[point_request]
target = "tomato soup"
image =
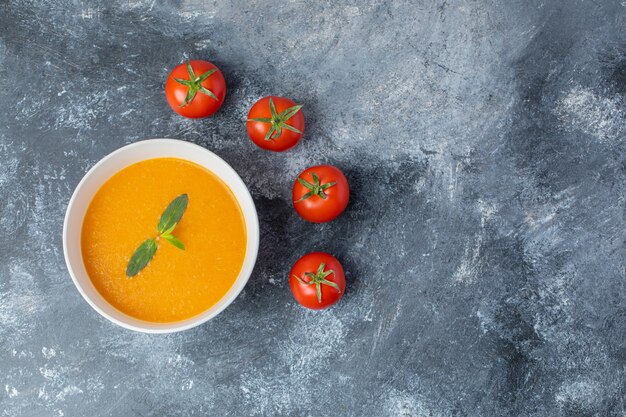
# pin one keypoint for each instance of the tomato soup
(176, 284)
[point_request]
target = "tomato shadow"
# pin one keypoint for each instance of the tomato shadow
(382, 200)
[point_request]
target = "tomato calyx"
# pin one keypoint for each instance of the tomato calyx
(278, 120)
(194, 84)
(315, 189)
(318, 279)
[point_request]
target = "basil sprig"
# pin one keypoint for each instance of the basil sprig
(142, 256)
(167, 223)
(172, 214)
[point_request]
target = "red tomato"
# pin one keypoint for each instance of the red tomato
(320, 193)
(275, 123)
(195, 89)
(317, 280)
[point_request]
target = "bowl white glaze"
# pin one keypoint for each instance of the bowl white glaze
(120, 159)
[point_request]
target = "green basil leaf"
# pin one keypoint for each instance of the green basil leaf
(169, 230)
(173, 241)
(142, 256)
(172, 214)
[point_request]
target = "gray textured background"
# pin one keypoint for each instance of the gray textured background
(485, 143)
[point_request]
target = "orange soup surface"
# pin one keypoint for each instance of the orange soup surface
(176, 284)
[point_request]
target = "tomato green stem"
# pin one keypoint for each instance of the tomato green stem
(194, 84)
(278, 120)
(318, 279)
(315, 189)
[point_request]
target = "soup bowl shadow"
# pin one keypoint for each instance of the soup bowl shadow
(105, 169)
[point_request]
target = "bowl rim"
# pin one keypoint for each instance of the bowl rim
(238, 285)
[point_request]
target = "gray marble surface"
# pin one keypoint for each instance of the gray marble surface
(485, 143)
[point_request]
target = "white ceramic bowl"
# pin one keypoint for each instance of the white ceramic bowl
(114, 162)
